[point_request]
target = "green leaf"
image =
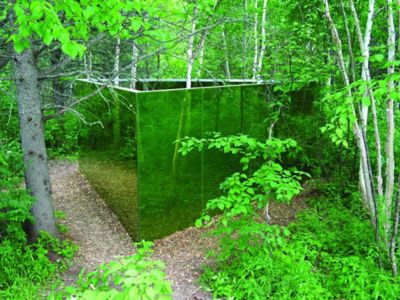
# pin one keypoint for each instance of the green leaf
(378, 57)
(70, 49)
(136, 24)
(47, 38)
(339, 133)
(134, 293)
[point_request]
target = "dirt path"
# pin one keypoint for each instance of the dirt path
(101, 237)
(92, 225)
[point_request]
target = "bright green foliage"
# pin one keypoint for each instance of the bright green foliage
(133, 277)
(62, 136)
(15, 203)
(261, 264)
(247, 147)
(245, 193)
(25, 269)
(42, 18)
(327, 254)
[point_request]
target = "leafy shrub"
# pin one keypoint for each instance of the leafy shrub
(259, 262)
(62, 136)
(15, 203)
(25, 268)
(262, 179)
(328, 253)
(133, 277)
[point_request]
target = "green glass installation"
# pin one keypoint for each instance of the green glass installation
(130, 156)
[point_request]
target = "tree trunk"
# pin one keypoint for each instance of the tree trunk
(116, 107)
(201, 60)
(398, 25)
(365, 174)
(394, 236)
(190, 54)
(349, 42)
(390, 162)
(255, 39)
(87, 64)
(116, 62)
(244, 40)
(135, 56)
(37, 178)
(263, 38)
(226, 56)
(365, 74)
(185, 119)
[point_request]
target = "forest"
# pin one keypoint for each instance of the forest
(199, 149)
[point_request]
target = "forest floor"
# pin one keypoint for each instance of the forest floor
(101, 237)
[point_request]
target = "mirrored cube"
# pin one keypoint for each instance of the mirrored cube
(130, 155)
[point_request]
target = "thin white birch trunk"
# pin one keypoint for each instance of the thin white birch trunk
(255, 39)
(135, 56)
(349, 44)
(226, 56)
(367, 180)
(201, 57)
(193, 51)
(85, 66)
(244, 40)
(90, 64)
(394, 236)
(87, 63)
(364, 46)
(116, 62)
(390, 163)
(190, 54)
(263, 38)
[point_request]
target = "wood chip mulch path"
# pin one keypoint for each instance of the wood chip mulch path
(101, 237)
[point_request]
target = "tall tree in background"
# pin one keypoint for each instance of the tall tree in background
(377, 188)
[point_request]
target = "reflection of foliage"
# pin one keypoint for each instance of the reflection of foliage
(127, 148)
(184, 125)
(62, 136)
(246, 192)
(170, 203)
(115, 180)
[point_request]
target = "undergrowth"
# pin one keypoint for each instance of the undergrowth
(32, 270)
(328, 253)
(136, 277)
(26, 269)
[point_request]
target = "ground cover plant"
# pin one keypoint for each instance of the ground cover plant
(25, 268)
(133, 277)
(328, 253)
